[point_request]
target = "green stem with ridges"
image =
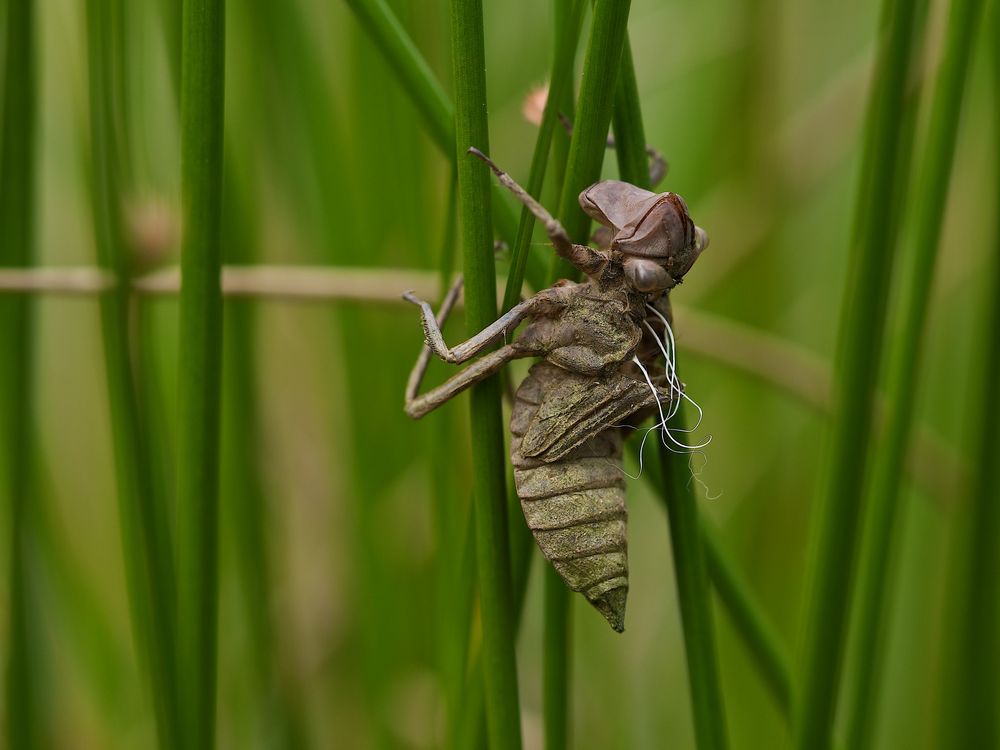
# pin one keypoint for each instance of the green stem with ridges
(568, 19)
(904, 369)
(759, 634)
(586, 154)
(977, 721)
(593, 119)
(17, 202)
(767, 651)
(831, 559)
(202, 98)
(690, 568)
(489, 481)
(144, 527)
(418, 80)
(409, 65)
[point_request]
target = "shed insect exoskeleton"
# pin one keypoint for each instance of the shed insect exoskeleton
(598, 341)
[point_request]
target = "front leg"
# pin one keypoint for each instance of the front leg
(587, 259)
(469, 349)
(418, 406)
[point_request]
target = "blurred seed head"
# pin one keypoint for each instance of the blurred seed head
(534, 104)
(152, 230)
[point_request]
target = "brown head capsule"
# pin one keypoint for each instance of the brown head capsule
(654, 232)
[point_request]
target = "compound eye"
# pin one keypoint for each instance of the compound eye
(646, 276)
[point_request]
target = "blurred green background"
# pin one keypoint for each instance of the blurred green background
(331, 622)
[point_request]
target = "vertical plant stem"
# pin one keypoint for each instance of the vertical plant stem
(470, 733)
(690, 568)
(202, 91)
(418, 81)
(762, 641)
(831, 557)
(746, 614)
(693, 601)
(587, 147)
(977, 721)
(409, 65)
(144, 529)
(489, 485)
(930, 199)
(557, 651)
(593, 118)
(17, 203)
(568, 15)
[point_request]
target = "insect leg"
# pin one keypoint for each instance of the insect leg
(418, 406)
(585, 258)
(469, 349)
(417, 374)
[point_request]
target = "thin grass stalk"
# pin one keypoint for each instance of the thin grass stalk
(557, 640)
(77, 609)
(691, 574)
(592, 120)
(690, 568)
(489, 481)
(424, 90)
(882, 515)
(833, 542)
(759, 634)
(568, 17)
(977, 721)
(586, 154)
(409, 65)
(767, 652)
(470, 733)
(144, 529)
(202, 95)
(17, 239)
(242, 489)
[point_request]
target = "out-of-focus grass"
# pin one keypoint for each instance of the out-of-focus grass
(756, 108)
(22, 690)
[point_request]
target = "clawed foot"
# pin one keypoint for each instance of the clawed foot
(432, 333)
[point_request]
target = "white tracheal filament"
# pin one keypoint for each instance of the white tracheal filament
(669, 435)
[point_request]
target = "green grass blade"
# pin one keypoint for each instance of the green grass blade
(569, 17)
(418, 81)
(904, 369)
(836, 517)
(83, 618)
(145, 535)
(489, 481)
(583, 167)
(17, 236)
(690, 568)
(754, 627)
(977, 723)
(757, 631)
(470, 733)
(767, 651)
(557, 640)
(691, 574)
(202, 94)
(409, 65)
(592, 120)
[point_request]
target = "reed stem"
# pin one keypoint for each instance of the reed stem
(202, 97)
(690, 569)
(17, 237)
(836, 518)
(144, 525)
(903, 364)
(488, 461)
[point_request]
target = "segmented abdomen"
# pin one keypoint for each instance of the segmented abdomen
(575, 505)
